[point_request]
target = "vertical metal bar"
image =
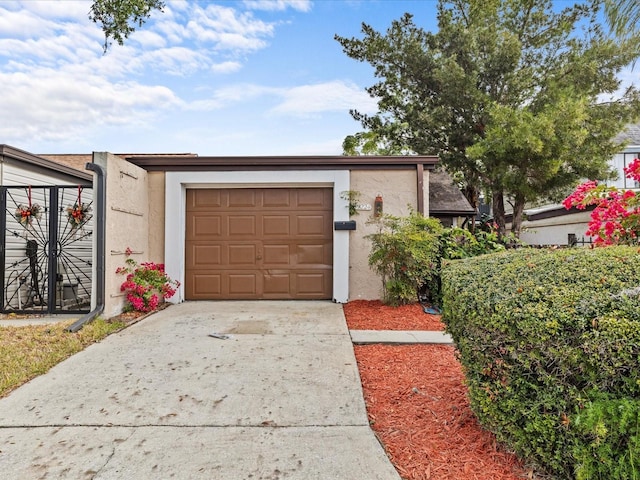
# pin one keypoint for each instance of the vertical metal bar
(52, 269)
(3, 240)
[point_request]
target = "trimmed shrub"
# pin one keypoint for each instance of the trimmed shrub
(547, 338)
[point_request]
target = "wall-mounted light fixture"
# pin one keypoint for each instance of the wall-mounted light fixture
(377, 205)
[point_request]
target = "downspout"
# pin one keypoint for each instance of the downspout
(420, 187)
(101, 213)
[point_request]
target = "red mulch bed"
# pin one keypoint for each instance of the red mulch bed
(373, 315)
(418, 407)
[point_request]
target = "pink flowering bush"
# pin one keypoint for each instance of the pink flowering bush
(146, 285)
(616, 216)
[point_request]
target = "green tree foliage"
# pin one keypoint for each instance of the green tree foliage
(120, 18)
(511, 94)
(370, 143)
(623, 16)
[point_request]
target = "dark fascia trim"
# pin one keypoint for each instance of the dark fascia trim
(16, 154)
(455, 213)
(173, 164)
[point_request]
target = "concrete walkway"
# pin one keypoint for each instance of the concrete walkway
(280, 398)
(399, 337)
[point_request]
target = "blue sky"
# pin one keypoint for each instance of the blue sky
(256, 77)
(252, 77)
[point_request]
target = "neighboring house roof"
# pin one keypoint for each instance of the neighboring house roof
(630, 135)
(79, 160)
(76, 161)
(553, 211)
(445, 198)
(9, 153)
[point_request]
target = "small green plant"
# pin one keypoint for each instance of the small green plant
(351, 196)
(461, 243)
(405, 253)
(146, 285)
(610, 429)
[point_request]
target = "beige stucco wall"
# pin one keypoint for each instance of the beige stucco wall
(399, 193)
(127, 223)
(156, 216)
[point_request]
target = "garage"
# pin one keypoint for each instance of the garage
(259, 243)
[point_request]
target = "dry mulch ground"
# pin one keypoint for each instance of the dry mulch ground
(373, 315)
(417, 403)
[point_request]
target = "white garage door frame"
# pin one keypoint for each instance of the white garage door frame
(177, 183)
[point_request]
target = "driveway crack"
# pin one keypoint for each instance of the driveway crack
(113, 453)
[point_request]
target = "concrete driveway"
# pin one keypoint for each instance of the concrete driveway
(279, 399)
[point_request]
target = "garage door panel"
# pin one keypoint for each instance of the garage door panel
(312, 197)
(242, 198)
(311, 283)
(204, 199)
(241, 225)
(203, 225)
(276, 225)
(276, 197)
(311, 225)
(204, 255)
(205, 285)
(318, 254)
(243, 284)
(277, 284)
(259, 243)
(242, 255)
(276, 255)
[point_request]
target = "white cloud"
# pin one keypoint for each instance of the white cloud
(298, 101)
(148, 39)
(179, 61)
(58, 10)
(52, 105)
(226, 67)
(279, 5)
(20, 25)
(228, 29)
(324, 97)
(233, 94)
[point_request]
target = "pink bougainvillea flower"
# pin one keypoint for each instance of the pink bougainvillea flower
(579, 197)
(633, 169)
(146, 284)
(616, 216)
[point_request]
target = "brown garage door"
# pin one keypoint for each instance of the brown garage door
(267, 243)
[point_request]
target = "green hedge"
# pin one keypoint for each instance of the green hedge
(550, 343)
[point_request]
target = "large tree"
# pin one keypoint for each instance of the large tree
(508, 93)
(119, 18)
